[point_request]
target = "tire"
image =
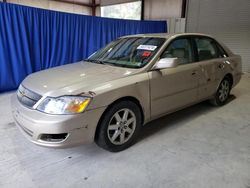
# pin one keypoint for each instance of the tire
(119, 126)
(222, 93)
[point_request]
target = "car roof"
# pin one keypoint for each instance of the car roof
(167, 35)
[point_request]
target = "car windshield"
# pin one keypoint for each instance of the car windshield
(131, 52)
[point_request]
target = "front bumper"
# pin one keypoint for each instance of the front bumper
(79, 128)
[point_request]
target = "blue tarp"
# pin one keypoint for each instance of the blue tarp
(33, 39)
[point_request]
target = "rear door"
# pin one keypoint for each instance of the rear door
(211, 60)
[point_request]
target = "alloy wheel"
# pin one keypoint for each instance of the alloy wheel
(224, 90)
(121, 126)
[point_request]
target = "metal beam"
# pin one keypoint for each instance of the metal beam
(93, 8)
(91, 5)
(183, 9)
(142, 9)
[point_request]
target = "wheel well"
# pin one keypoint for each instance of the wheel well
(128, 98)
(230, 77)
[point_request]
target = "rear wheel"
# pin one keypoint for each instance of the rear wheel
(222, 93)
(119, 126)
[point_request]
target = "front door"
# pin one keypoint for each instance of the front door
(174, 88)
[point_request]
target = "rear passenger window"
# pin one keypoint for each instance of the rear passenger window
(222, 52)
(181, 49)
(206, 48)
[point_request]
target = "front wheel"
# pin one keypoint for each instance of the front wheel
(222, 92)
(119, 126)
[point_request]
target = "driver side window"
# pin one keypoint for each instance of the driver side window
(181, 49)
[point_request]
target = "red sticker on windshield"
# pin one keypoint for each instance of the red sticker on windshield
(146, 54)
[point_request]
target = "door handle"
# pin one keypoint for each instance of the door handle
(193, 73)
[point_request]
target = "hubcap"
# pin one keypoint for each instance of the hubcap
(121, 126)
(224, 90)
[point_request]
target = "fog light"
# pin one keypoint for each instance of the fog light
(53, 137)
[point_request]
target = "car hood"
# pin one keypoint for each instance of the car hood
(83, 74)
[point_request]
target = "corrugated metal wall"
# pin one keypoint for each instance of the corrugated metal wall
(227, 20)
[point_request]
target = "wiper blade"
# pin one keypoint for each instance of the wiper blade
(100, 62)
(109, 63)
(125, 65)
(94, 61)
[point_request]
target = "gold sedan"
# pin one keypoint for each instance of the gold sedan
(108, 97)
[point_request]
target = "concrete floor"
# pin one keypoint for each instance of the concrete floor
(201, 146)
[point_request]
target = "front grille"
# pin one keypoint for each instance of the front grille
(26, 97)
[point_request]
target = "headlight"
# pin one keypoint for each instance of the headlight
(64, 105)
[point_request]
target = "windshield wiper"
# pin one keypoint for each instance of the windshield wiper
(99, 62)
(124, 65)
(109, 63)
(95, 61)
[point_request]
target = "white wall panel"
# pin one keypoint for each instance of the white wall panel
(59, 6)
(32, 3)
(14, 1)
(55, 5)
(78, 9)
(227, 20)
(162, 9)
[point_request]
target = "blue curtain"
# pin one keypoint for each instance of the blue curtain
(33, 39)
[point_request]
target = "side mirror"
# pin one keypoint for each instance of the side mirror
(166, 63)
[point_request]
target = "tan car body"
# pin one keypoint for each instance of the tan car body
(158, 92)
